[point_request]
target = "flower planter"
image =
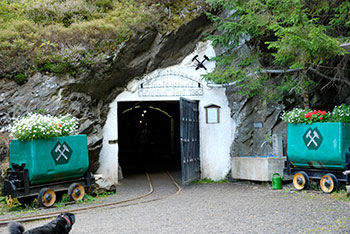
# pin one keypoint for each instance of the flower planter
(52, 159)
(319, 145)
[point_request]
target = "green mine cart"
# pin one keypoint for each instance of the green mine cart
(42, 167)
(319, 151)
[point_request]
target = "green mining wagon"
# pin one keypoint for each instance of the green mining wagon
(41, 167)
(319, 151)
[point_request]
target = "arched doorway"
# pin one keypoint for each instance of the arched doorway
(149, 136)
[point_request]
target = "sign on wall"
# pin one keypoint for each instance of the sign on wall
(170, 84)
(212, 113)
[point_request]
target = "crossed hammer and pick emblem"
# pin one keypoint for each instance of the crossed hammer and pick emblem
(313, 138)
(61, 153)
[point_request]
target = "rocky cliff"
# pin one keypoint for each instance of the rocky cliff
(88, 95)
(257, 121)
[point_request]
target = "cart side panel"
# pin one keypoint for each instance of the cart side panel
(318, 145)
(53, 159)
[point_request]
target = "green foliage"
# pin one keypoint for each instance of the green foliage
(87, 199)
(62, 202)
(62, 36)
(64, 12)
(20, 79)
(341, 195)
(279, 35)
(341, 114)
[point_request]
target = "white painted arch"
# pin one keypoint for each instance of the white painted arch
(182, 80)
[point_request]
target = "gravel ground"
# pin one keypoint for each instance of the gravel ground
(213, 208)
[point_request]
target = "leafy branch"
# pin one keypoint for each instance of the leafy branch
(270, 45)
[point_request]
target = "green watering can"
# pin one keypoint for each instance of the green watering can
(277, 181)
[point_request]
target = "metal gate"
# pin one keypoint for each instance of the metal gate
(189, 138)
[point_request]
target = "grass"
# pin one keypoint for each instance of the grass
(34, 205)
(340, 195)
(62, 202)
(210, 181)
(287, 190)
(314, 186)
(61, 36)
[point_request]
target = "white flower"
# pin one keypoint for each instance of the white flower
(33, 126)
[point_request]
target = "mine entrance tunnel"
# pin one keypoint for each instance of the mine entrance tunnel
(149, 136)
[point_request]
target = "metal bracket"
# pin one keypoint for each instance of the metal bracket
(111, 142)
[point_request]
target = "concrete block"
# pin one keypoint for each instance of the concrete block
(256, 168)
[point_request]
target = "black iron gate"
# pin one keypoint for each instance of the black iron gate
(189, 138)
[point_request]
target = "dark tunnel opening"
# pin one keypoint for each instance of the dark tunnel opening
(149, 136)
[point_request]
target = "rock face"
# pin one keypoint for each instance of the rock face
(88, 96)
(4, 141)
(257, 122)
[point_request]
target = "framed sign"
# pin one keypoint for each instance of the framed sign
(212, 114)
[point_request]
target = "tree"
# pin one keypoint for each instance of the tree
(281, 47)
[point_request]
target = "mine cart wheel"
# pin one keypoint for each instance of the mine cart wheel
(46, 197)
(9, 200)
(301, 180)
(76, 192)
(329, 183)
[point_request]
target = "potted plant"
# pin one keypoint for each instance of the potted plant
(318, 146)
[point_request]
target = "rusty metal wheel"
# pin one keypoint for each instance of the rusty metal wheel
(46, 197)
(76, 192)
(329, 183)
(301, 180)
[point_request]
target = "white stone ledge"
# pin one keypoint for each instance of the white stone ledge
(256, 168)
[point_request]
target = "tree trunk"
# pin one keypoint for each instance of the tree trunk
(306, 97)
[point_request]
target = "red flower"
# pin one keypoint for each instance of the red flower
(59, 125)
(308, 115)
(314, 112)
(320, 118)
(323, 112)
